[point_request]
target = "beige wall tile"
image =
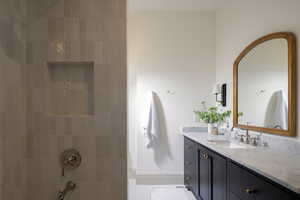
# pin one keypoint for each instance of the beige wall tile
(56, 29)
(72, 29)
(72, 8)
(57, 10)
(12, 104)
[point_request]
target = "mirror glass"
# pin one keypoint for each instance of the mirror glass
(263, 86)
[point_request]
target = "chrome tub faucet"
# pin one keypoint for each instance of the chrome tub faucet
(70, 186)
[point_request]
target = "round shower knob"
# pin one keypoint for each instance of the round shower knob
(70, 159)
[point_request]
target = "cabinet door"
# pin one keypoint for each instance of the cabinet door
(191, 165)
(218, 177)
(204, 174)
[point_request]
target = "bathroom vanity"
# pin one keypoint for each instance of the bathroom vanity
(228, 171)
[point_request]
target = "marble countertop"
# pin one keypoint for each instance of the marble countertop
(280, 167)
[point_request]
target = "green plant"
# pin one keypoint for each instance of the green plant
(213, 116)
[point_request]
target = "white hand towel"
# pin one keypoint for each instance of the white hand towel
(277, 111)
(152, 128)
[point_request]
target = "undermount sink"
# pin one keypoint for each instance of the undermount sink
(230, 144)
(240, 146)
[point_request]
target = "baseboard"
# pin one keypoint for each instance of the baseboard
(146, 177)
(141, 172)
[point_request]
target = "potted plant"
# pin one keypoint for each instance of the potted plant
(213, 117)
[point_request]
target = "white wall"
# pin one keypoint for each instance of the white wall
(239, 22)
(172, 51)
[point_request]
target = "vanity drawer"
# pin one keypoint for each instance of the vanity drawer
(190, 148)
(247, 186)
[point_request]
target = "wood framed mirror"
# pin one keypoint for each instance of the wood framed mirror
(264, 85)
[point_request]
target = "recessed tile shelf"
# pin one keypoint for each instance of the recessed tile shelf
(71, 88)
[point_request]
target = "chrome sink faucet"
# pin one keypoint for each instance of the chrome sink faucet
(247, 141)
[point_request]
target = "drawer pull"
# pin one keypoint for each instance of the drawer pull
(204, 156)
(250, 191)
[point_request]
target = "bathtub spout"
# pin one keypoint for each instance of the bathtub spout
(70, 186)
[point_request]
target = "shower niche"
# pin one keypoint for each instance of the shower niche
(71, 88)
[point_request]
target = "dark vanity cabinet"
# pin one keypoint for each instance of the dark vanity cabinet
(204, 171)
(211, 176)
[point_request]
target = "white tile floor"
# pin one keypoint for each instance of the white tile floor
(158, 192)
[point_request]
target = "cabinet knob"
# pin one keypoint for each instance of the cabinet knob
(250, 191)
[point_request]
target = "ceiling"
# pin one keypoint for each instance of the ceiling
(171, 5)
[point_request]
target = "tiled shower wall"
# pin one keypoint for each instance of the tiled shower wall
(31, 137)
(77, 31)
(12, 100)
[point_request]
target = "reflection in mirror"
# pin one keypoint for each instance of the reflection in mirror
(263, 85)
